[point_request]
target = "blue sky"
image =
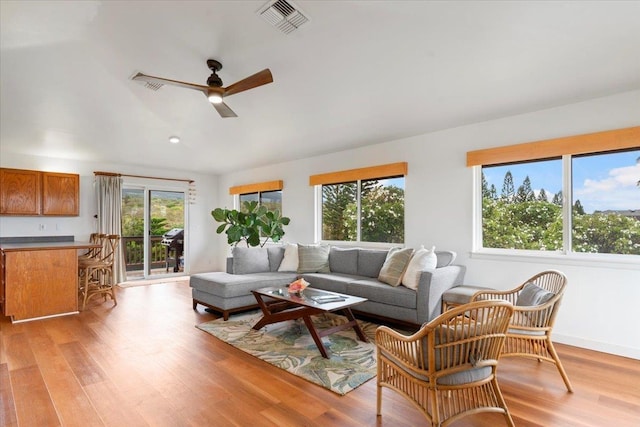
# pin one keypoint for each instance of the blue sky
(600, 182)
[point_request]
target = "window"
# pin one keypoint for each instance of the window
(575, 202)
(267, 194)
(606, 203)
(522, 206)
(271, 199)
(369, 208)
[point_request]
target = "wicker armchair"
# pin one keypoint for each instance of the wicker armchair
(448, 368)
(536, 304)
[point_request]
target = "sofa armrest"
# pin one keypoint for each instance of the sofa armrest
(433, 283)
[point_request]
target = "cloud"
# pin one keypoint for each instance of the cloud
(619, 178)
(618, 191)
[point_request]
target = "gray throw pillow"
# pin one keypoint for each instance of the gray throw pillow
(395, 265)
(532, 295)
(313, 259)
(276, 253)
(250, 260)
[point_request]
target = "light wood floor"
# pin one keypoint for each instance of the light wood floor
(143, 363)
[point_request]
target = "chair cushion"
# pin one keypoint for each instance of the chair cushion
(395, 265)
(250, 260)
(313, 259)
(463, 377)
(532, 295)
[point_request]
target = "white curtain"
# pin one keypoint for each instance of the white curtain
(109, 197)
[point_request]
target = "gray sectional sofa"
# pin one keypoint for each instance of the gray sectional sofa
(352, 271)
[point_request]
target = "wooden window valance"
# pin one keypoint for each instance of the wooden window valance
(579, 144)
(100, 173)
(255, 188)
(381, 171)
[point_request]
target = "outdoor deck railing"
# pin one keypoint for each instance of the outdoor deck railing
(134, 256)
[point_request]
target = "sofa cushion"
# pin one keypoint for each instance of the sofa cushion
(445, 258)
(532, 295)
(343, 260)
(232, 285)
(422, 259)
(250, 260)
(276, 254)
(370, 262)
(313, 259)
(290, 259)
(334, 282)
(374, 290)
(394, 265)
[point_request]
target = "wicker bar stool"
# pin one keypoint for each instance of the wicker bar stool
(95, 275)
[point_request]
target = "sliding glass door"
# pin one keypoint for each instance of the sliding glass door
(153, 224)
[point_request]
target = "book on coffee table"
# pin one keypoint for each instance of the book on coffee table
(328, 298)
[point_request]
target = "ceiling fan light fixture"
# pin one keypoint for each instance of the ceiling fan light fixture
(215, 98)
(174, 139)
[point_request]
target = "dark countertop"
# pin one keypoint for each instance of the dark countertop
(39, 246)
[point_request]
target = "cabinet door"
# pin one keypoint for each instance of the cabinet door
(19, 192)
(2, 281)
(41, 283)
(60, 194)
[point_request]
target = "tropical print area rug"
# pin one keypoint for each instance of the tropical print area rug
(289, 346)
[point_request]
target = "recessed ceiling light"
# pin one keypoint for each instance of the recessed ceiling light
(174, 139)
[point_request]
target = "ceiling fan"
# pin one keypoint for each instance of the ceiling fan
(214, 90)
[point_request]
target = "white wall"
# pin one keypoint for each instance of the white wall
(600, 306)
(201, 243)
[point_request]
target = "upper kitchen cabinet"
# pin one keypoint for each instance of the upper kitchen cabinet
(20, 192)
(60, 194)
(27, 192)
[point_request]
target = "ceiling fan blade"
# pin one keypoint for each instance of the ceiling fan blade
(161, 81)
(224, 110)
(258, 79)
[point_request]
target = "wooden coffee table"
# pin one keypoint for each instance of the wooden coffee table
(278, 306)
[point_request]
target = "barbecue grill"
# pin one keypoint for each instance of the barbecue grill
(173, 241)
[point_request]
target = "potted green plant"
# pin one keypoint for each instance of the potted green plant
(255, 225)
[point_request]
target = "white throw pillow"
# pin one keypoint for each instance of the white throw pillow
(290, 259)
(422, 259)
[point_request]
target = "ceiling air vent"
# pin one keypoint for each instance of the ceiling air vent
(283, 15)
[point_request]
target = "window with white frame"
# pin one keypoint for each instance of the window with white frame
(586, 202)
(268, 194)
(272, 200)
(368, 208)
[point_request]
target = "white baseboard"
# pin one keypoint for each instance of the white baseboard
(619, 350)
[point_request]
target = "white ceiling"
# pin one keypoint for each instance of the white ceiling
(358, 73)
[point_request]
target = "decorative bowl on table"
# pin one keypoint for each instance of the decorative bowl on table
(298, 286)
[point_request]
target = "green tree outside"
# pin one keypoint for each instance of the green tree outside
(527, 222)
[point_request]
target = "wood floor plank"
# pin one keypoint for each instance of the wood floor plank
(33, 403)
(83, 365)
(65, 390)
(8, 415)
(18, 352)
(143, 363)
